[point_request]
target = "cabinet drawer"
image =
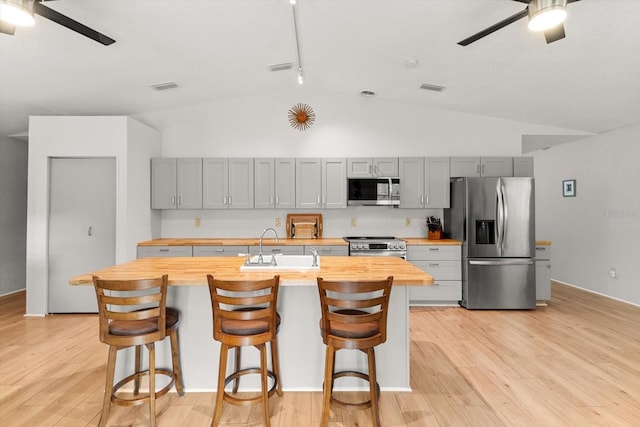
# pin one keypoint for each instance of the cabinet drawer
(332, 250)
(164, 251)
(543, 252)
(428, 253)
(441, 270)
(227, 251)
(283, 249)
(440, 291)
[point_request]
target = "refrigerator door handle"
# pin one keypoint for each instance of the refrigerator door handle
(500, 216)
(527, 261)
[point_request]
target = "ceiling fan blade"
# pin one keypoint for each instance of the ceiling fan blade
(7, 28)
(554, 34)
(71, 24)
(494, 28)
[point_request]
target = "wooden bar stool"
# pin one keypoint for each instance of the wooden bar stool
(244, 314)
(134, 313)
(354, 316)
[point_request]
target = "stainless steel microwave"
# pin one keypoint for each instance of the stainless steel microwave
(373, 192)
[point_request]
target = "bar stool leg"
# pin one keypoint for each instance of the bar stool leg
(138, 369)
(222, 372)
(152, 384)
(238, 354)
(275, 365)
(175, 360)
(373, 387)
(329, 361)
(265, 385)
(108, 389)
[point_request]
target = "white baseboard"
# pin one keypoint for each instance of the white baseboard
(595, 292)
(13, 292)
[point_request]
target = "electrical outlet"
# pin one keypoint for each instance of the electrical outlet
(196, 222)
(278, 222)
(612, 273)
(353, 222)
(407, 222)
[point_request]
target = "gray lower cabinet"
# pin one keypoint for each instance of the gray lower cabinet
(543, 272)
(219, 250)
(328, 250)
(444, 264)
(164, 251)
(279, 249)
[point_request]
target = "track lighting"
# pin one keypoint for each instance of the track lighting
(17, 12)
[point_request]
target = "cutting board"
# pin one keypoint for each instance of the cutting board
(304, 226)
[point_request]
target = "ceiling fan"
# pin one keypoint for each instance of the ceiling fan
(544, 15)
(16, 13)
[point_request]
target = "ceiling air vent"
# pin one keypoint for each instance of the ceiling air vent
(429, 86)
(280, 67)
(164, 86)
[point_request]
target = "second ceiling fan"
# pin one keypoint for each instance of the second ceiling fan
(544, 15)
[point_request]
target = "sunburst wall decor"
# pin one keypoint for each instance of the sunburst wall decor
(301, 116)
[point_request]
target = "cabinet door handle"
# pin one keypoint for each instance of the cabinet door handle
(271, 200)
(173, 200)
(427, 199)
(179, 200)
(434, 249)
(90, 231)
(483, 169)
(224, 200)
(277, 200)
(219, 250)
(318, 200)
(163, 250)
(548, 265)
(434, 264)
(422, 199)
(230, 201)
(478, 169)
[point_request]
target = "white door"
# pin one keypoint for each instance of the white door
(82, 228)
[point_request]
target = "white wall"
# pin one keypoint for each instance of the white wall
(13, 222)
(86, 137)
(600, 227)
(346, 125)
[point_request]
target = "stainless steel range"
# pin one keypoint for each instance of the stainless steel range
(377, 246)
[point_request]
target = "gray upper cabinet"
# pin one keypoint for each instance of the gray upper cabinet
(321, 183)
(424, 182)
(334, 184)
(228, 183)
(481, 166)
(368, 167)
(275, 183)
(176, 183)
(523, 166)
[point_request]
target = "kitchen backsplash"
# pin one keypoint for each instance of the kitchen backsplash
(368, 220)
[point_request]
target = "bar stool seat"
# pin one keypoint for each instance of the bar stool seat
(354, 316)
(244, 314)
(124, 325)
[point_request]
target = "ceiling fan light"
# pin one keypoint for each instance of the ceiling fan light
(546, 14)
(17, 12)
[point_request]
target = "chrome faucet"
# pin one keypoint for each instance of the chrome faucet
(314, 252)
(260, 244)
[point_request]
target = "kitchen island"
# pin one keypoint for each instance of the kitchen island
(300, 344)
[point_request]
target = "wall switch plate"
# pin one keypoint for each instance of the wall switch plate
(612, 273)
(407, 222)
(353, 222)
(196, 222)
(278, 222)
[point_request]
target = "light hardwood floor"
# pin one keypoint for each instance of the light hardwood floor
(573, 363)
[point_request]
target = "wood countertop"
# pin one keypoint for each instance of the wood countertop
(229, 241)
(425, 241)
(193, 271)
(543, 243)
(270, 241)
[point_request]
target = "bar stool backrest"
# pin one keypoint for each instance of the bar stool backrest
(354, 313)
(244, 311)
(131, 312)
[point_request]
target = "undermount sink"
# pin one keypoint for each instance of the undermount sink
(284, 262)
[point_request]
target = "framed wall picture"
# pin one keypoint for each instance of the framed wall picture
(569, 188)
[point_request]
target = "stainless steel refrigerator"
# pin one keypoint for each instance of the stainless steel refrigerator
(494, 218)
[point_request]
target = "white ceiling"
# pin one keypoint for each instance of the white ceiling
(217, 49)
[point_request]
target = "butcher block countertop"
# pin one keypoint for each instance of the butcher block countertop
(269, 240)
(193, 271)
(229, 241)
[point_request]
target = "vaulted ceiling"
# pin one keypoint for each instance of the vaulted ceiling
(218, 49)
